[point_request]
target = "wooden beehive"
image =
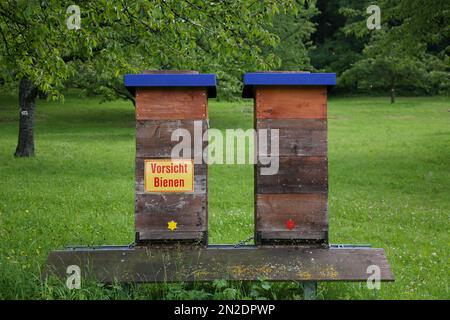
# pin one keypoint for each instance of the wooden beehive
(171, 205)
(291, 205)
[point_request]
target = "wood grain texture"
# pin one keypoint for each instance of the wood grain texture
(295, 175)
(308, 212)
(171, 103)
(289, 238)
(290, 102)
(154, 211)
(164, 237)
(157, 222)
(298, 137)
(149, 238)
(153, 137)
(193, 205)
(191, 263)
(200, 178)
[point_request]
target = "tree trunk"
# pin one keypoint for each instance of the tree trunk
(393, 95)
(27, 99)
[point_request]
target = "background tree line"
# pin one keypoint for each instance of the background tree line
(40, 55)
(409, 54)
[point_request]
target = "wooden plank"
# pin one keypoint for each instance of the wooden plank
(154, 211)
(153, 137)
(298, 137)
(295, 175)
(158, 222)
(193, 205)
(168, 238)
(290, 102)
(171, 103)
(289, 238)
(200, 177)
(292, 216)
(191, 263)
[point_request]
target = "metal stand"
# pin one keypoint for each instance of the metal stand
(310, 290)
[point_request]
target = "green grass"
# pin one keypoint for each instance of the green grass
(389, 175)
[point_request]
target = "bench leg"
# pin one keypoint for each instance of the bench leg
(309, 290)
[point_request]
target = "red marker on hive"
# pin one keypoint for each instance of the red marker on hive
(290, 224)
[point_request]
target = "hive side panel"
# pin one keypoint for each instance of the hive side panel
(291, 204)
(156, 138)
(292, 216)
(155, 211)
(171, 103)
(295, 175)
(298, 137)
(286, 102)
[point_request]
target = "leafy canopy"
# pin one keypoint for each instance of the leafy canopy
(410, 50)
(117, 37)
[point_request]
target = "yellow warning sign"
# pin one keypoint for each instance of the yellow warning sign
(167, 175)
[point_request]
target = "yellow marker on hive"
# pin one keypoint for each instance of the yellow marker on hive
(171, 225)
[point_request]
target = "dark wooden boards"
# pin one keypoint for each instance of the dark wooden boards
(154, 137)
(170, 204)
(291, 205)
(155, 211)
(298, 137)
(305, 214)
(191, 263)
(171, 103)
(295, 175)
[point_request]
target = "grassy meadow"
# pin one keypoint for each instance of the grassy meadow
(389, 176)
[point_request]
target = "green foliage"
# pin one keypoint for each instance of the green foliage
(385, 66)
(294, 30)
(226, 38)
(406, 23)
(399, 55)
(336, 55)
(417, 21)
(118, 37)
(335, 49)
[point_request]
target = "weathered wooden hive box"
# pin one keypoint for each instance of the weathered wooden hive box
(291, 205)
(171, 202)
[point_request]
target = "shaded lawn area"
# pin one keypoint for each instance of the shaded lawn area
(389, 176)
